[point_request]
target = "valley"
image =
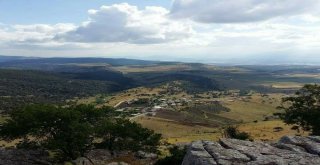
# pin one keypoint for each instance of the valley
(182, 101)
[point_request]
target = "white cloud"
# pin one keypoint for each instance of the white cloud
(128, 24)
(122, 30)
(33, 33)
(237, 11)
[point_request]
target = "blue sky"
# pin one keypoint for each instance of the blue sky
(244, 31)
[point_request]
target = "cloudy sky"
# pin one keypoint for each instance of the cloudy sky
(212, 31)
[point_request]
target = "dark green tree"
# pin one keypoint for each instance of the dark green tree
(303, 109)
(71, 131)
(68, 131)
(121, 134)
(175, 158)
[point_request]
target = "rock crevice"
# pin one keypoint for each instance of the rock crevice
(290, 150)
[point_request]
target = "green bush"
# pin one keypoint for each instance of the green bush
(234, 133)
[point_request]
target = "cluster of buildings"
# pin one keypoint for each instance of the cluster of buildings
(150, 106)
(167, 103)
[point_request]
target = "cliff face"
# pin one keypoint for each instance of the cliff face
(290, 150)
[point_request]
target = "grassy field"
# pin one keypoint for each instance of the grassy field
(317, 76)
(3, 118)
(152, 68)
(175, 132)
(283, 85)
(132, 94)
(255, 108)
(127, 95)
(264, 130)
(184, 127)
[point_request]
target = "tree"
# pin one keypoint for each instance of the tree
(121, 134)
(175, 158)
(72, 131)
(303, 109)
(68, 131)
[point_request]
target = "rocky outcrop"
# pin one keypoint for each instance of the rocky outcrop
(23, 157)
(94, 157)
(290, 150)
(105, 157)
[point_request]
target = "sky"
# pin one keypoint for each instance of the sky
(210, 31)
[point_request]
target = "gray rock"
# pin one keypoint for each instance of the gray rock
(196, 154)
(290, 147)
(288, 151)
(118, 163)
(145, 155)
(23, 157)
(99, 154)
(82, 161)
(314, 138)
(310, 144)
(223, 155)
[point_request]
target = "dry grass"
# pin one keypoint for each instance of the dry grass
(284, 85)
(264, 130)
(9, 144)
(175, 132)
(226, 69)
(256, 108)
(152, 68)
(132, 94)
(243, 109)
(88, 100)
(89, 64)
(3, 118)
(317, 76)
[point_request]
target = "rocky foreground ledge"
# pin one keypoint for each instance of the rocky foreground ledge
(93, 157)
(290, 150)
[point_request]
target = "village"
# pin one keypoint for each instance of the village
(173, 99)
(149, 107)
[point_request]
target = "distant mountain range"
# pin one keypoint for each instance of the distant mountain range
(18, 60)
(13, 58)
(68, 64)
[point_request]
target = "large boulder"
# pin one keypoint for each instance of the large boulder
(310, 144)
(197, 154)
(290, 150)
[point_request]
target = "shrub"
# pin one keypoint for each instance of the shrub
(234, 133)
(176, 157)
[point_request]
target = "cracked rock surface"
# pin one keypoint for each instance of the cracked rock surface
(290, 150)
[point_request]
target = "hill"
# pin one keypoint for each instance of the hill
(59, 63)
(12, 58)
(19, 87)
